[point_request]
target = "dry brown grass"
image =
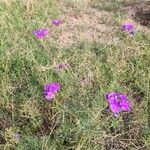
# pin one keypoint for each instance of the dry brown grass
(86, 25)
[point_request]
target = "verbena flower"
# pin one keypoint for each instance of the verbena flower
(40, 33)
(56, 22)
(50, 90)
(118, 102)
(128, 27)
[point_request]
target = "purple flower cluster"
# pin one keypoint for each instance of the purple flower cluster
(40, 33)
(118, 102)
(128, 27)
(50, 90)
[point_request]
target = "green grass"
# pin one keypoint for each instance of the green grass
(77, 118)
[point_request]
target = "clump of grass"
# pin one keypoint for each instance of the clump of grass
(112, 5)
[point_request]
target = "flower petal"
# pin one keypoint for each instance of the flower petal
(125, 105)
(115, 108)
(112, 97)
(50, 95)
(56, 22)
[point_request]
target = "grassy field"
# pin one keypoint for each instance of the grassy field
(101, 58)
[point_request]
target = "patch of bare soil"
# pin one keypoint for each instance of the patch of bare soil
(142, 15)
(140, 12)
(88, 25)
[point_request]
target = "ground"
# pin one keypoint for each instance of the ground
(100, 58)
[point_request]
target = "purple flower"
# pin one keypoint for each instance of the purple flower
(127, 27)
(40, 33)
(118, 102)
(50, 90)
(56, 22)
(61, 66)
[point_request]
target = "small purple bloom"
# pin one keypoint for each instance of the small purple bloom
(118, 102)
(40, 33)
(56, 22)
(127, 27)
(50, 90)
(52, 87)
(61, 66)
